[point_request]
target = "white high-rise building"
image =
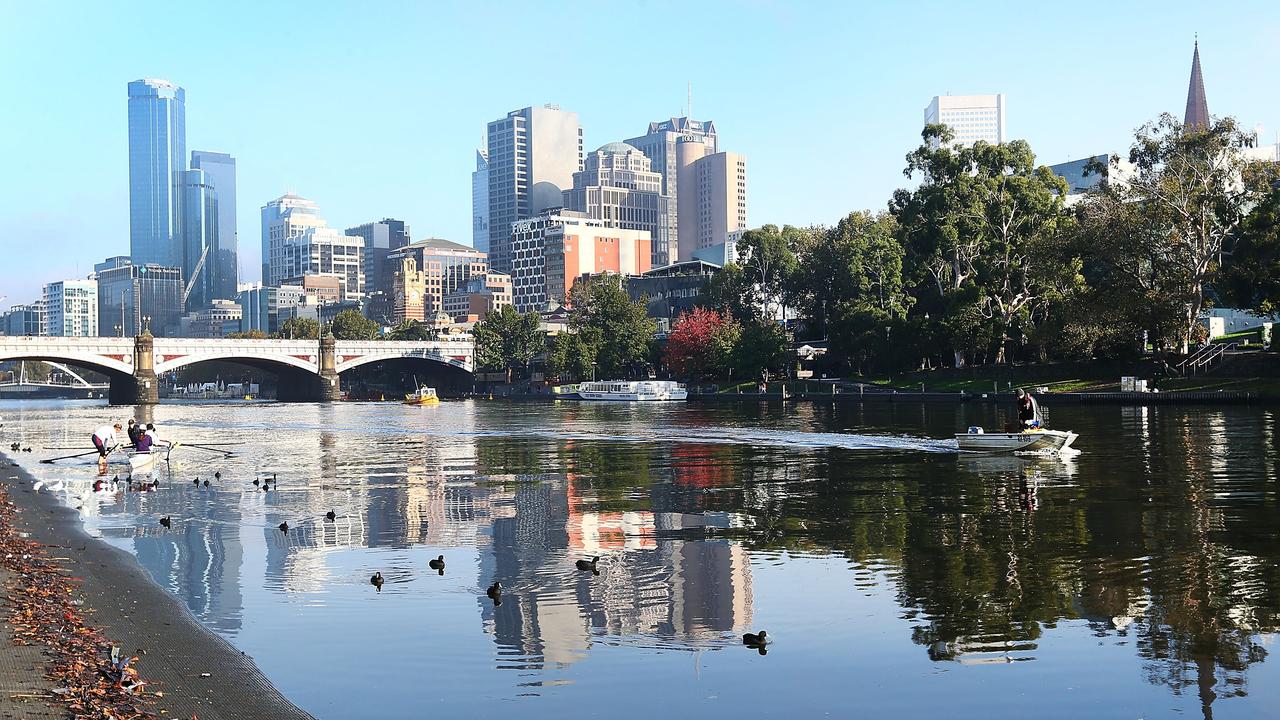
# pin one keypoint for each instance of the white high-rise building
(970, 117)
(326, 251)
(533, 154)
(71, 308)
(283, 218)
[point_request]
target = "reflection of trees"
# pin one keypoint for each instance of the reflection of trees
(981, 567)
(1166, 547)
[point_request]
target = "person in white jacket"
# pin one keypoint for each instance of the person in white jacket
(105, 441)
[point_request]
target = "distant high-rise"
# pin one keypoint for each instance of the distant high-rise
(1197, 115)
(617, 186)
(480, 202)
(659, 145)
(380, 238)
(199, 239)
(970, 117)
(71, 308)
(533, 154)
(220, 170)
(157, 157)
(286, 217)
(713, 197)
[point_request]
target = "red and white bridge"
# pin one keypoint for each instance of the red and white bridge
(140, 359)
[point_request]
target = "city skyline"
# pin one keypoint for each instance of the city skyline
(418, 166)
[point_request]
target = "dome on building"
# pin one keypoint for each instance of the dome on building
(617, 148)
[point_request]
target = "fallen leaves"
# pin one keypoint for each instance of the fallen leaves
(92, 678)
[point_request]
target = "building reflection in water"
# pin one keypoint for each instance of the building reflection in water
(1160, 536)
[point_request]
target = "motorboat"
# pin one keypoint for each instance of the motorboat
(1031, 440)
(633, 391)
(422, 396)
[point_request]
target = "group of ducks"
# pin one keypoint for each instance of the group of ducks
(99, 485)
(494, 592)
(18, 446)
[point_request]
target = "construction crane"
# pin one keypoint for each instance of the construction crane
(194, 275)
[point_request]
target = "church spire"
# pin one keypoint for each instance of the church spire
(1197, 106)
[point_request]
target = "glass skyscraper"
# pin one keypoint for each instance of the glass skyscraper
(127, 293)
(157, 157)
(220, 169)
(200, 239)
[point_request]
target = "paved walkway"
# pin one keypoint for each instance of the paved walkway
(23, 687)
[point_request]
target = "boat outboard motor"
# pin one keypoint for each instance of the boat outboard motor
(975, 430)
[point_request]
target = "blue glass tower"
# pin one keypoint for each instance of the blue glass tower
(200, 239)
(157, 157)
(220, 169)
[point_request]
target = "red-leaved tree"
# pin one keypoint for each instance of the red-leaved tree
(701, 343)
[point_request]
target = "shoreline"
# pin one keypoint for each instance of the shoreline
(198, 672)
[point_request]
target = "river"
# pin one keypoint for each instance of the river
(1139, 578)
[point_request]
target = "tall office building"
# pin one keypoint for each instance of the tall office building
(199, 239)
(713, 197)
(127, 293)
(157, 157)
(970, 117)
(533, 154)
(659, 145)
(286, 217)
(71, 308)
(380, 238)
(220, 171)
(480, 202)
(618, 186)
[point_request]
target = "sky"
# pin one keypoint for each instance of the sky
(375, 110)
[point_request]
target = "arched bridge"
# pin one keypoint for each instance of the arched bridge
(311, 366)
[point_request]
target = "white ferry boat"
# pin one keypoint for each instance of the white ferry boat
(632, 391)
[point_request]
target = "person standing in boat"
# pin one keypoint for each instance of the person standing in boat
(1028, 410)
(104, 440)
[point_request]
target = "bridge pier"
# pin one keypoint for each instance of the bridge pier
(142, 387)
(330, 390)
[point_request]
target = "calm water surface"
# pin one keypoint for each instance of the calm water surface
(899, 578)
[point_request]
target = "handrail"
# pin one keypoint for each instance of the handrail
(1205, 357)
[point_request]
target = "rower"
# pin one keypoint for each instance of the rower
(155, 438)
(144, 442)
(104, 440)
(134, 431)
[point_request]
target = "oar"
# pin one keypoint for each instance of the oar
(213, 444)
(206, 448)
(68, 457)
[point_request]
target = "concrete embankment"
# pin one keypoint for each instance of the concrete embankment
(197, 673)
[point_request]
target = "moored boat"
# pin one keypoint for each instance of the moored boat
(1032, 441)
(632, 390)
(423, 396)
